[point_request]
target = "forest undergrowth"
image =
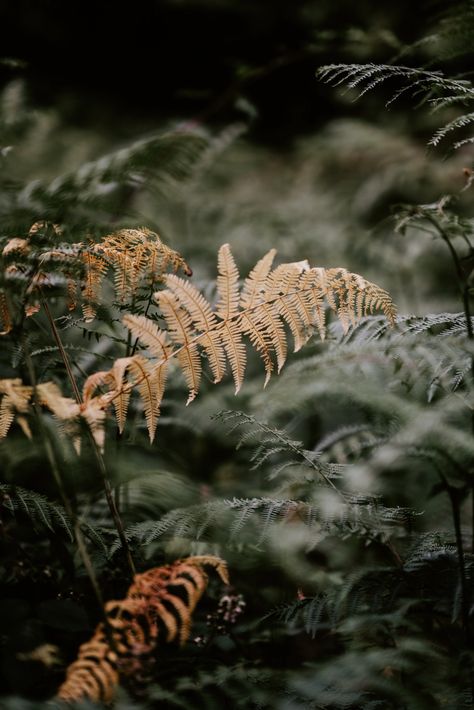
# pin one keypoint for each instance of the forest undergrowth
(187, 519)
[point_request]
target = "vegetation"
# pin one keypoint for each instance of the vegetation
(334, 501)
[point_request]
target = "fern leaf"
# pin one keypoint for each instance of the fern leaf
(292, 294)
(95, 271)
(255, 283)
(231, 336)
(155, 339)
(15, 400)
(204, 321)
(7, 415)
(150, 381)
(227, 284)
(134, 627)
(182, 333)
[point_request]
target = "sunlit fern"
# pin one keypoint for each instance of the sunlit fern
(292, 296)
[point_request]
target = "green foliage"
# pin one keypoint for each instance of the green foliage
(340, 495)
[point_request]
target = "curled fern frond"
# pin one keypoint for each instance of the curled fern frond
(158, 609)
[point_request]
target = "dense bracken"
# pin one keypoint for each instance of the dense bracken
(339, 494)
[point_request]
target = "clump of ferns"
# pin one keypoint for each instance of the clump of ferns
(291, 298)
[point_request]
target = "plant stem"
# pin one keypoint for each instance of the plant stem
(464, 289)
(463, 286)
(454, 498)
(56, 471)
(97, 453)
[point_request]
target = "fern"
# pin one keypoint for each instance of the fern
(45, 514)
(432, 86)
(292, 294)
(154, 612)
(138, 257)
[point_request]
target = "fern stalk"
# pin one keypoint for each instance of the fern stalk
(51, 456)
(462, 283)
(99, 458)
(454, 497)
(464, 290)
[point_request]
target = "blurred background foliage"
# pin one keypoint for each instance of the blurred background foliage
(204, 121)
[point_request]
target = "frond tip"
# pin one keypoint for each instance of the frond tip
(157, 609)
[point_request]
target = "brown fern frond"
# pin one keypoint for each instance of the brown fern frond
(254, 284)
(183, 334)
(150, 381)
(95, 268)
(118, 382)
(293, 296)
(5, 316)
(204, 321)
(227, 284)
(158, 609)
(156, 340)
(137, 256)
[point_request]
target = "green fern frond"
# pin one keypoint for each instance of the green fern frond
(43, 513)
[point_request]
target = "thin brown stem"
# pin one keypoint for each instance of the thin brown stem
(454, 498)
(56, 471)
(463, 286)
(97, 453)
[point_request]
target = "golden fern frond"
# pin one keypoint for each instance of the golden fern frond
(227, 284)
(293, 296)
(255, 282)
(149, 381)
(183, 334)
(204, 321)
(137, 256)
(158, 609)
(95, 268)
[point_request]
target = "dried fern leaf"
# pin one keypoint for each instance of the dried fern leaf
(293, 295)
(204, 321)
(137, 256)
(150, 381)
(15, 401)
(160, 600)
(227, 284)
(95, 270)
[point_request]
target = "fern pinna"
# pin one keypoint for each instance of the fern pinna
(157, 609)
